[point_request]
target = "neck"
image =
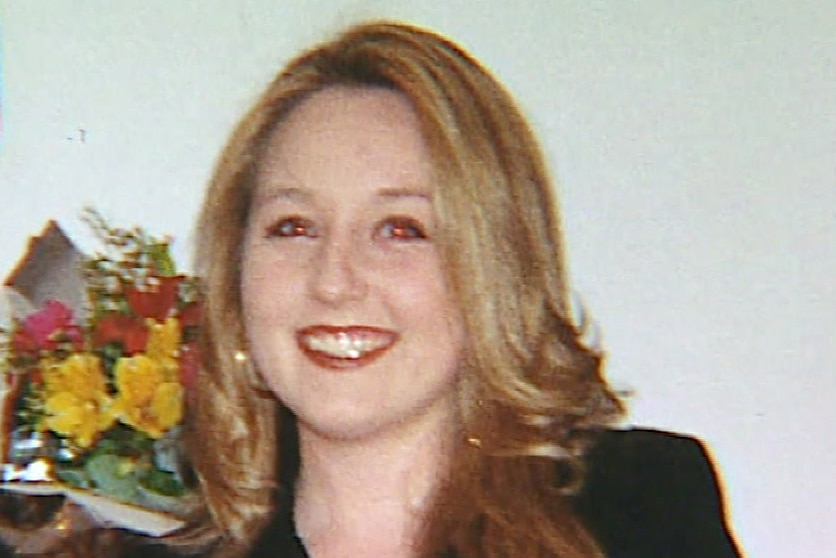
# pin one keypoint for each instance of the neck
(370, 488)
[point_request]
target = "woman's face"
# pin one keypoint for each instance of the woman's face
(347, 313)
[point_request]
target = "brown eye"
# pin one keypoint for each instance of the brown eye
(291, 227)
(402, 228)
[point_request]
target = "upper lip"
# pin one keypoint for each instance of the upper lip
(345, 341)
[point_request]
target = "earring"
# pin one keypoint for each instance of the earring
(475, 442)
(242, 359)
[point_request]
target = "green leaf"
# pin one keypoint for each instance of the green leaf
(163, 482)
(162, 259)
(73, 477)
(113, 475)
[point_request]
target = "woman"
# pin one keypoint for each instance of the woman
(393, 368)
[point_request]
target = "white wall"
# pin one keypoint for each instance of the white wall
(695, 144)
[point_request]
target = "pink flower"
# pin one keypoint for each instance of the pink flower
(46, 328)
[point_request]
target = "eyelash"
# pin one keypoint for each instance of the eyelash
(397, 228)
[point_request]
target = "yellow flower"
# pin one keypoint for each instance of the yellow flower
(164, 339)
(167, 404)
(80, 420)
(75, 398)
(80, 374)
(149, 399)
(163, 345)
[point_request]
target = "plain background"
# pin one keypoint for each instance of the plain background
(693, 142)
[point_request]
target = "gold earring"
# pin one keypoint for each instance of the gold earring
(475, 442)
(242, 358)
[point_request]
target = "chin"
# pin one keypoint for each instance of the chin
(346, 423)
(344, 428)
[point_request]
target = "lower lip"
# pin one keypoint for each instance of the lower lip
(339, 363)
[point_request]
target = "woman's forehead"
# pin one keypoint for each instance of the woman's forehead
(346, 134)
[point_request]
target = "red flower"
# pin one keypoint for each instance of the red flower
(190, 314)
(46, 328)
(23, 343)
(156, 299)
(130, 331)
(189, 366)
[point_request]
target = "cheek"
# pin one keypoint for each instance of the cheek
(265, 314)
(428, 305)
(423, 287)
(263, 299)
(265, 278)
(253, 284)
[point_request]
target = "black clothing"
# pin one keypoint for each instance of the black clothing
(648, 494)
(654, 494)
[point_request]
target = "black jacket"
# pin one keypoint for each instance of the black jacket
(654, 494)
(648, 494)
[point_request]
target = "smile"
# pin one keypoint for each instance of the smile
(344, 346)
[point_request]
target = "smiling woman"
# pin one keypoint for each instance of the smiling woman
(391, 365)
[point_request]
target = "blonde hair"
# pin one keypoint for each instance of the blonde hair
(530, 388)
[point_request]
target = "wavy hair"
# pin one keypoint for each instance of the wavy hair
(530, 389)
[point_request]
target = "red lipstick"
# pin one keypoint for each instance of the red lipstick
(341, 347)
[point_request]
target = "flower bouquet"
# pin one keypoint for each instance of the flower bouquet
(97, 377)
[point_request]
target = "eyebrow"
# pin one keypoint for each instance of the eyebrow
(399, 193)
(293, 193)
(285, 193)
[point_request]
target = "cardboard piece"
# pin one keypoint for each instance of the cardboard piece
(51, 268)
(106, 510)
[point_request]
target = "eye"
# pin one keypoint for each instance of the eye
(291, 227)
(402, 228)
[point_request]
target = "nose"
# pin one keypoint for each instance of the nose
(337, 275)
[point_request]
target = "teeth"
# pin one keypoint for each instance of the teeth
(343, 345)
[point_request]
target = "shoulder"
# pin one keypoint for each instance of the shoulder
(616, 450)
(642, 471)
(654, 493)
